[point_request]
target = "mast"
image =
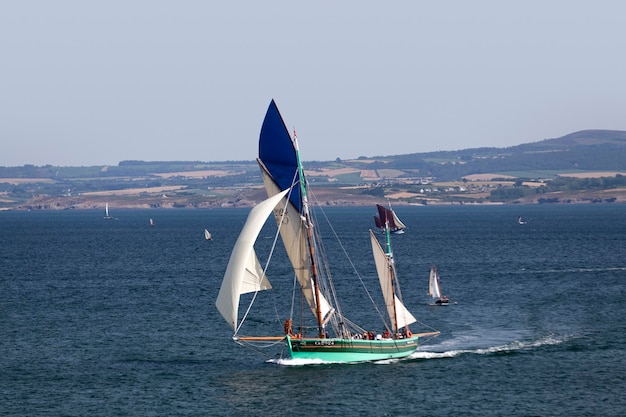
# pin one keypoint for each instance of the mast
(391, 271)
(309, 239)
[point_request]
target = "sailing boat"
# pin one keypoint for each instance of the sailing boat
(152, 222)
(386, 216)
(332, 337)
(434, 289)
(106, 212)
(207, 235)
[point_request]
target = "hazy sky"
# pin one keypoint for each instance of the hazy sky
(93, 83)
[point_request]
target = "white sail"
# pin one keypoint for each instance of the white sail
(293, 233)
(397, 221)
(106, 212)
(396, 310)
(207, 234)
(244, 273)
(433, 283)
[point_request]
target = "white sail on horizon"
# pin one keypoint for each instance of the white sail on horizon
(107, 216)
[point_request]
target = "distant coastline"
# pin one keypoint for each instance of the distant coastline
(580, 168)
(328, 197)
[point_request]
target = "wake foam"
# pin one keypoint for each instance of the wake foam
(511, 347)
(297, 362)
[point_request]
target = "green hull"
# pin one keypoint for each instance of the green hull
(350, 350)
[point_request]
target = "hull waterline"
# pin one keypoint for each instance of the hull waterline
(350, 350)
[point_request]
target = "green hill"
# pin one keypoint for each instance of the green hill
(466, 176)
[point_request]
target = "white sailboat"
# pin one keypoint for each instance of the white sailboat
(106, 212)
(434, 288)
(326, 334)
(152, 222)
(207, 235)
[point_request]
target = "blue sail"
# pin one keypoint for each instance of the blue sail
(278, 154)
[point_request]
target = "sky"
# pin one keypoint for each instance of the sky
(87, 83)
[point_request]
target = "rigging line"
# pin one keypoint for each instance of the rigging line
(337, 322)
(426, 325)
(329, 288)
(294, 284)
(284, 211)
(353, 325)
(382, 317)
(293, 296)
(257, 349)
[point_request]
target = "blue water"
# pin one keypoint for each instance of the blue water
(117, 318)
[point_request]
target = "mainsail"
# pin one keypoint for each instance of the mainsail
(433, 283)
(244, 273)
(398, 313)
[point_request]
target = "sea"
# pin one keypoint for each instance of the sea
(117, 317)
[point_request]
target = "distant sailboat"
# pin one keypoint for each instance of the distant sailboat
(207, 235)
(434, 288)
(151, 222)
(520, 220)
(388, 216)
(106, 212)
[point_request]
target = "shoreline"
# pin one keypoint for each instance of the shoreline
(324, 197)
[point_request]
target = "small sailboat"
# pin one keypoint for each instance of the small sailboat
(386, 216)
(434, 288)
(107, 216)
(152, 222)
(207, 235)
(326, 334)
(520, 220)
